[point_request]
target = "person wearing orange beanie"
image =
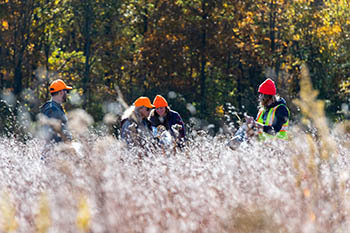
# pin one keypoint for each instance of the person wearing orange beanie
(163, 115)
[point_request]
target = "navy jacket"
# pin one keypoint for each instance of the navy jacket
(51, 109)
(171, 118)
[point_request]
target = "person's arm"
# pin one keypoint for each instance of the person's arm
(179, 121)
(281, 117)
(125, 129)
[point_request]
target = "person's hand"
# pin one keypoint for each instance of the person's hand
(249, 120)
(258, 125)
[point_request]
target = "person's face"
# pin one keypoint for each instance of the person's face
(145, 111)
(264, 99)
(161, 111)
(64, 95)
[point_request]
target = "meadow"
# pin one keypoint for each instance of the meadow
(97, 184)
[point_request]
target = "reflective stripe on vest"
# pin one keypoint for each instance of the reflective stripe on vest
(282, 134)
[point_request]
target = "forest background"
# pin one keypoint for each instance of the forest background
(199, 54)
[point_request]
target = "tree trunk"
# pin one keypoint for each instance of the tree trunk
(87, 47)
(17, 85)
(203, 108)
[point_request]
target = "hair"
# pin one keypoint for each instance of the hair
(154, 112)
(55, 93)
(266, 98)
(128, 112)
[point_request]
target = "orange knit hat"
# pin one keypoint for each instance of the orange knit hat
(143, 101)
(160, 101)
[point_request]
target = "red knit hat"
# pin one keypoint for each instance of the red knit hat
(160, 101)
(267, 87)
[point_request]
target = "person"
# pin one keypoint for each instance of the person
(135, 127)
(162, 115)
(272, 119)
(53, 110)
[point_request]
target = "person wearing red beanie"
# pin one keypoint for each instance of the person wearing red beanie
(272, 119)
(163, 115)
(273, 115)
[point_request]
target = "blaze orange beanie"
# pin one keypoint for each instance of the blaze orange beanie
(160, 101)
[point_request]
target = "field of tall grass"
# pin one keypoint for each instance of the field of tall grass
(97, 184)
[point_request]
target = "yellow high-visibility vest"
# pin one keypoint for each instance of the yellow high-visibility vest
(282, 134)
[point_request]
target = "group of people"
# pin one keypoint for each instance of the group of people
(145, 120)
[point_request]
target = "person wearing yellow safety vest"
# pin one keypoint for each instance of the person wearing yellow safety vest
(273, 117)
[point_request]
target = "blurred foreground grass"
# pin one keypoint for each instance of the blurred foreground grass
(98, 185)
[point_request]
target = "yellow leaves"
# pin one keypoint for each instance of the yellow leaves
(332, 44)
(43, 217)
(240, 45)
(84, 216)
(329, 30)
(5, 25)
(322, 49)
(235, 30)
(8, 214)
(31, 47)
(195, 74)
(60, 30)
(186, 48)
(336, 28)
(220, 110)
(173, 38)
(345, 86)
(296, 37)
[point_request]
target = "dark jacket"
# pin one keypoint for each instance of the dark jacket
(51, 109)
(281, 117)
(171, 118)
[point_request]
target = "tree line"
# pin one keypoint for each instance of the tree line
(197, 53)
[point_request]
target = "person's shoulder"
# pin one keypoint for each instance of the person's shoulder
(174, 113)
(46, 106)
(175, 116)
(281, 101)
(125, 121)
(282, 108)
